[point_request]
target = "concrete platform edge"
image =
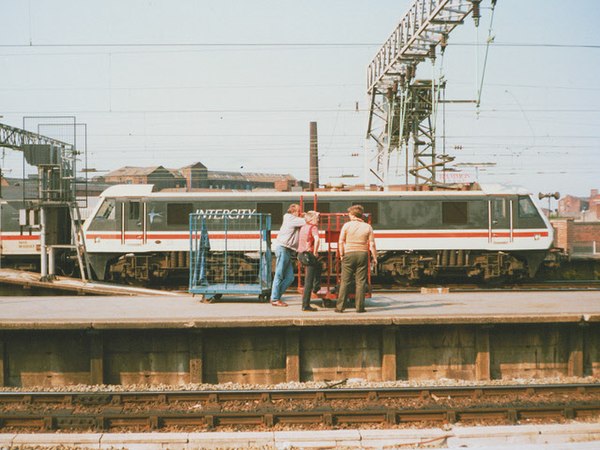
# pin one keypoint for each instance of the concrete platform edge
(349, 319)
(450, 437)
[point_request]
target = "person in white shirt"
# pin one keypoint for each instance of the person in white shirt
(287, 246)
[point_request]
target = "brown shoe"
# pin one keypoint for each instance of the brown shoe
(278, 303)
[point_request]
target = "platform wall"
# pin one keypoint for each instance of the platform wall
(270, 355)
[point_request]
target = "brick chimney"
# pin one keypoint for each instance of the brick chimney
(314, 157)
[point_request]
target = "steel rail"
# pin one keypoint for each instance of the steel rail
(542, 286)
(336, 392)
(214, 418)
(78, 411)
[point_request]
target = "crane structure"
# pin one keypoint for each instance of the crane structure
(55, 194)
(402, 109)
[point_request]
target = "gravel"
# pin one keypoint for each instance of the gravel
(356, 383)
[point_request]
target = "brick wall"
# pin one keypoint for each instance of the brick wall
(586, 231)
(563, 232)
(568, 233)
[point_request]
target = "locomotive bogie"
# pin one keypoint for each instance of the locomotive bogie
(456, 264)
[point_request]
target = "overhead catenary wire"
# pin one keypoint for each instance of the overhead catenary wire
(276, 44)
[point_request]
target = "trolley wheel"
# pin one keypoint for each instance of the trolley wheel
(204, 298)
(263, 298)
(328, 303)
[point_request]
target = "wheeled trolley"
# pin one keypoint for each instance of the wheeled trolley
(230, 253)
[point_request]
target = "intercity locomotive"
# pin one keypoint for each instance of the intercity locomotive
(138, 235)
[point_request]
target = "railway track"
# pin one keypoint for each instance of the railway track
(278, 409)
(593, 285)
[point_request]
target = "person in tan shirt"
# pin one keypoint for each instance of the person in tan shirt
(355, 243)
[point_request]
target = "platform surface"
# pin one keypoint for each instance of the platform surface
(185, 311)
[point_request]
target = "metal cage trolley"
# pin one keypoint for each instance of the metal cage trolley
(230, 253)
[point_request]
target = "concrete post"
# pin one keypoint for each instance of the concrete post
(51, 265)
(96, 358)
(292, 360)
(575, 366)
(43, 250)
(482, 352)
(388, 359)
(196, 346)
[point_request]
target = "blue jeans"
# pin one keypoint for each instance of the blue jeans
(284, 272)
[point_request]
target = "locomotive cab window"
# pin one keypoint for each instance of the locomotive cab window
(528, 215)
(276, 211)
(179, 213)
(454, 213)
(526, 208)
(108, 216)
(107, 210)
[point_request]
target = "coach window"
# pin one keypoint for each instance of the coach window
(322, 207)
(179, 213)
(454, 213)
(372, 209)
(276, 211)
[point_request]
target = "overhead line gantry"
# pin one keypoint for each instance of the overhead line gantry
(402, 107)
(55, 161)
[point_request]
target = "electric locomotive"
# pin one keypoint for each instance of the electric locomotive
(138, 235)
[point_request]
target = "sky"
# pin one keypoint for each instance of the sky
(234, 84)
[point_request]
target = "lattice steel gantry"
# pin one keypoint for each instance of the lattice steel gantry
(402, 107)
(55, 161)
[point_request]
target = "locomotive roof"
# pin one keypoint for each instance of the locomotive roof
(147, 190)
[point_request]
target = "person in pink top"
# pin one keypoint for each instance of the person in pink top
(308, 253)
(355, 243)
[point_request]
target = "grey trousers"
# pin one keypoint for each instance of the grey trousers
(354, 264)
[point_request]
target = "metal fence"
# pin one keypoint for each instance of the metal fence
(230, 254)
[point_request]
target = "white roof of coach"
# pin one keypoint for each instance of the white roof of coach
(503, 189)
(128, 190)
(146, 190)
